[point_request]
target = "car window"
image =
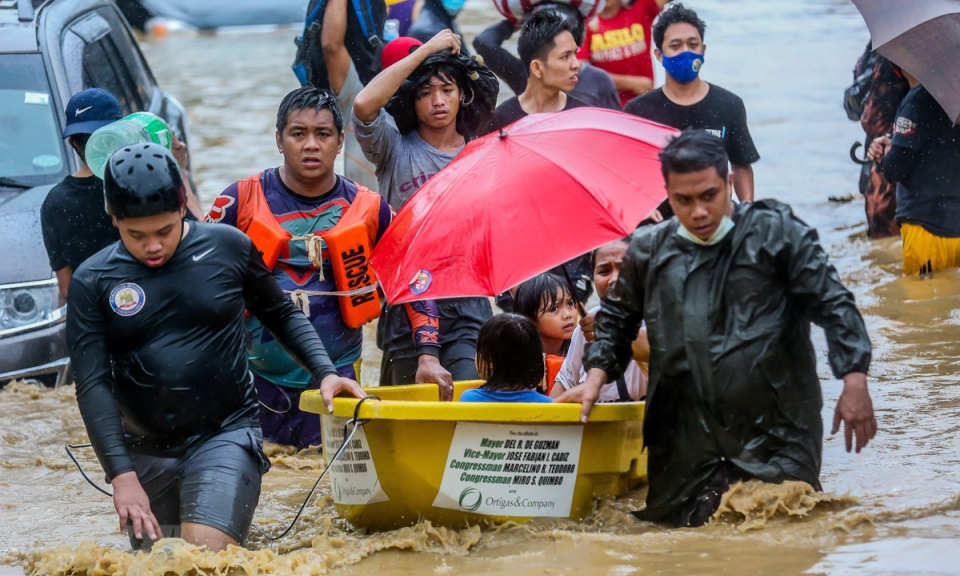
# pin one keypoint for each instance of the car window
(31, 150)
(99, 53)
(130, 58)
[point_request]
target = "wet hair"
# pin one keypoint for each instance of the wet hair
(691, 151)
(510, 353)
(81, 142)
(404, 104)
(445, 71)
(593, 255)
(675, 14)
(538, 36)
(539, 294)
(308, 98)
(572, 18)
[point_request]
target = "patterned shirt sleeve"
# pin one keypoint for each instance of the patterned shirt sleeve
(424, 315)
(425, 318)
(224, 209)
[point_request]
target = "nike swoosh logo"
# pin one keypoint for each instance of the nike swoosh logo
(198, 257)
(81, 111)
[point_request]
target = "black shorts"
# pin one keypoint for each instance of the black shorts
(216, 484)
(459, 358)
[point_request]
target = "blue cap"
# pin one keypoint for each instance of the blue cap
(91, 109)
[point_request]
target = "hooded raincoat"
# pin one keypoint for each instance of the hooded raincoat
(733, 377)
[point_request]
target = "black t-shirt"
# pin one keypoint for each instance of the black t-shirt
(720, 113)
(159, 353)
(595, 87)
(511, 111)
(927, 144)
(75, 223)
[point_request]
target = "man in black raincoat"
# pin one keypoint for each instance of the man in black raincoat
(728, 294)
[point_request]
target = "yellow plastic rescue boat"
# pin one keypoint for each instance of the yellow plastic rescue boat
(417, 458)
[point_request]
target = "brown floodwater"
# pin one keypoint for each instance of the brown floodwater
(893, 509)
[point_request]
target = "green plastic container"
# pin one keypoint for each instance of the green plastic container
(137, 128)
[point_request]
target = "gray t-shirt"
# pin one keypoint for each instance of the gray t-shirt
(404, 162)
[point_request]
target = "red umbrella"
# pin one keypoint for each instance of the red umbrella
(547, 189)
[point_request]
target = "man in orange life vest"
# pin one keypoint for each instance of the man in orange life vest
(316, 230)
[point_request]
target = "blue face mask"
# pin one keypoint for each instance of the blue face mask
(453, 7)
(683, 67)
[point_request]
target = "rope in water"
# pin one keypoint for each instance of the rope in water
(68, 448)
(354, 423)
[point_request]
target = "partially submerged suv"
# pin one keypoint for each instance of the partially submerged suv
(50, 50)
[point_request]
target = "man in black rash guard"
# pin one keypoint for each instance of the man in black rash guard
(155, 326)
(595, 87)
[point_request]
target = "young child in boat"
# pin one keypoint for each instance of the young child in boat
(633, 384)
(510, 359)
(546, 300)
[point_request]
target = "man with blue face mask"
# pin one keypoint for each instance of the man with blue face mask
(435, 17)
(686, 101)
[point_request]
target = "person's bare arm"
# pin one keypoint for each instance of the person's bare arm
(878, 148)
(384, 85)
(63, 282)
(557, 390)
(662, 3)
(641, 348)
(855, 410)
(133, 505)
(335, 54)
(179, 150)
(193, 203)
(743, 182)
(334, 385)
(585, 394)
(639, 85)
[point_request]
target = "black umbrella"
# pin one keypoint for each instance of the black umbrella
(923, 38)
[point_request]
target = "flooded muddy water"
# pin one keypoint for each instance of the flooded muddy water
(893, 509)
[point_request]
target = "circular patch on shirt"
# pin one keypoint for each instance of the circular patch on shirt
(421, 282)
(904, 126)
(127, 299)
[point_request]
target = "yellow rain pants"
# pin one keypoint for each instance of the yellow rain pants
(924, 252)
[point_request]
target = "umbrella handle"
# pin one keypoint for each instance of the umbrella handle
(853, 155)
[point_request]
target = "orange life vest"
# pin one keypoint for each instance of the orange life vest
(553, 363)
(349, 245)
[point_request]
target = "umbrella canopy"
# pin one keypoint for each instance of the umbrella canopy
(923, 38)
(513, 204)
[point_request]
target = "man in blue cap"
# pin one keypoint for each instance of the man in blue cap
(74, 223)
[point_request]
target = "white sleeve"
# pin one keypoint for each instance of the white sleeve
(569, 374)
(635, 380)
